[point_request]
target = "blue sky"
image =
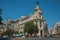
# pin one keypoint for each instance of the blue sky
(14, 9)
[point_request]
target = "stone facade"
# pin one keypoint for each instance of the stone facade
(9, 24)
(2, 28)
(55, 30)
(37, 19)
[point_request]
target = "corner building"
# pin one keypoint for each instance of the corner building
(55, 30)
(37, 19)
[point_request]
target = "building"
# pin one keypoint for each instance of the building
(2, 28)
(10, 24)
(55, 30)
(37, 18)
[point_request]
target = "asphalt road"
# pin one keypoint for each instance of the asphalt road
(18, 38)
(35, 39)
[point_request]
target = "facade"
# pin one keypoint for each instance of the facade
(2, 28)
(37, 19)
(10, 24)
(55, 30)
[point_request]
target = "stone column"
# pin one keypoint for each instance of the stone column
(38, 25)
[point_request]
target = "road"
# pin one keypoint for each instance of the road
(35, 39)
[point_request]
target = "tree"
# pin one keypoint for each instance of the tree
(16, 32)
(10, 32)
(30, 28)
(0, 11)
(0, 16)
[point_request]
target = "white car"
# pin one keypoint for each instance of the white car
(17, 35)
(5, 36)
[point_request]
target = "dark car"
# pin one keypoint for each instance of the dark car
(4, 38)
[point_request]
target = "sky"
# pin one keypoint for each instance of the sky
(14, 9)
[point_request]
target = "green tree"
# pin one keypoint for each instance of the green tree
(16, 32)
(10, 32)
(0, 11)
(0, 16)
(30, 28)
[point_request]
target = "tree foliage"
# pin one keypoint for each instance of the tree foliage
(0, 11)
(0, 16)
(15, 32)
(10, 32)
(30, 28)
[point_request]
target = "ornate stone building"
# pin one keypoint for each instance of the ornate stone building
(2, 28)
(37, 18)
(10, 24)
(55, 30)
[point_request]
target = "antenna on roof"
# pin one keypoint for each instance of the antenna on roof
(36, 2)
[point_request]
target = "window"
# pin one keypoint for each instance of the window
(40, 24)
(36, 10)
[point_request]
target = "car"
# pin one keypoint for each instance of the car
(5, 37)
(50, 36)
(17, 35)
